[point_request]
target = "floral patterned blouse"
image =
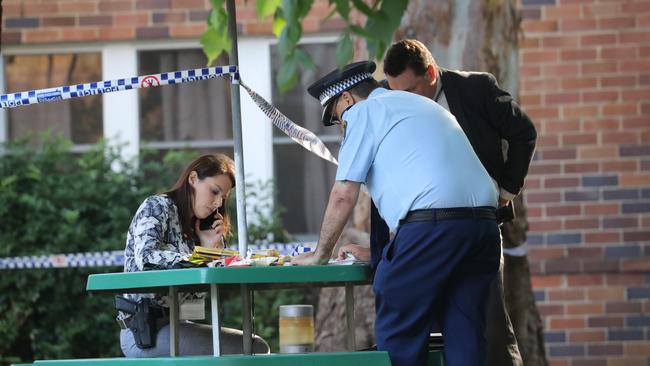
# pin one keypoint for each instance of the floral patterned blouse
(155, 240)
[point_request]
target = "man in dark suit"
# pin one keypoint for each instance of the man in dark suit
(487, 115)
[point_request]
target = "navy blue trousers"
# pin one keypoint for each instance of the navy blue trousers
(436, 271)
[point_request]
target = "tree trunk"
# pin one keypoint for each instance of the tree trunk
(468, 35)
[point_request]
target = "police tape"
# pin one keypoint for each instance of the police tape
(299, 134)
(18, 99)
(116, 258)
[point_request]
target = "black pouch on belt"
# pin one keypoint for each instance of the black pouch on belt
(505, 213)
(141, 320)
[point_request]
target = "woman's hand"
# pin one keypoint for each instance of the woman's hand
(359, 252)
(213, 237)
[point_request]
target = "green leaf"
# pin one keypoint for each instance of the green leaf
(278, 25)
(343, 8)
(359, 31)
(288, 75)
(266, 8)
(303, 7)
(7, 181)
(344, 50)
(304, 59)
(362, 7)
(290, 10)
(70, 216)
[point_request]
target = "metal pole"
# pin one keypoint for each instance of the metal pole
(4, 128)
(235, 105)
(173, 321)
(349, 315)
(216, 322)
(239, 166)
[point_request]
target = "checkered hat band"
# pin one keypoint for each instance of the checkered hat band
(342, 86)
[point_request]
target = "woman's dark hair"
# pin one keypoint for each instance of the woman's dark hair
(182, 193)
(364, 88)
(408, 54)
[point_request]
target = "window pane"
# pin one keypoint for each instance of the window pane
(303, 179)
(185, 112)
(78, 119)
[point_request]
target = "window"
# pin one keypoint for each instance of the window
(78, 119)
(193, 115)
(303, 179)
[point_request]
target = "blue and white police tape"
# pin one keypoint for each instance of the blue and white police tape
(115, 258)
(107, 86)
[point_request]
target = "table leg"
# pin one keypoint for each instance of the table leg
(216, 323)
(173, 321)
(246, 319)
(349, 315)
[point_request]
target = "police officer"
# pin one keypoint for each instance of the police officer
(433, 192)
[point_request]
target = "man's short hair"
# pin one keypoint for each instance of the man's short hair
(408, 53)
(364, 88)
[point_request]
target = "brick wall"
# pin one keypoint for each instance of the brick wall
(54, 21)
(585, 80)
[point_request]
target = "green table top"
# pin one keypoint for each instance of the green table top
(256, 277)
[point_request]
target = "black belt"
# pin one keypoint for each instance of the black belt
(449, 214)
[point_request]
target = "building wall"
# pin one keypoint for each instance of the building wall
(585, 81)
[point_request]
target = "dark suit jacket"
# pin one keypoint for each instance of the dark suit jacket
(487, 114)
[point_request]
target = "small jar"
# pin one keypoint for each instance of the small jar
(296, 328)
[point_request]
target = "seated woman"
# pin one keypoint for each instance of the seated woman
(164, 229)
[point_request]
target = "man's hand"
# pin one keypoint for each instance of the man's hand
(308, 259)
(503, 201)
(361, 253)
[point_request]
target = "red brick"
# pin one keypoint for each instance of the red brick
(580, 167)
(640, 95)
(11, 37)
(624, 137)
(567, 323)
(153, 4)
(561, 12)
(561, 183)
(544, 226)
(581, 224)
(563, 210)
(533, 26)
(588, 54)
(634, 122)
(543, 197)
(186, 31)
(617, 23)
(527, 71)
(579, 82)
(545, 253)
(86, 34)
(586, 152)
(606, 294)
(120, 33)
(628, 179)
(115, 6)
(600, 67)
(564, 125)
(530, 99)
(78, 7)
(546, 310)
(538, 57)
(585, 280)
(620, 166)
(558, 362)
(635, 265)
(134, 19)
(547, 168)
(601, 208)
(635, 65)
(602, 124)
(637, 348)
(542, 113)
(547, 281)
(636, 236)
(570, 25)
(561, 41)
(609, 81)
(600, 96)
(579, 139)
(597, 10)
(566, 294)
(31, 9)
(579, 336)
(169, 17)
(644, 51)
(598, 39)
(634, 37)
(623, 307)
(579, 309)
(542, 84)
(42, 36)
(620, 109)
(12, 10)
(636, 7)
(58, 21)
(580, 111)
(618, 53)
(559, 154)
(561, 69)
(562, 98)
(532, 184)
(624, 279)
(605, 321)
(643, 21)
(537, 211)
(584, 252)
(589, 362)
(95, 20)
(529, 42)
(188, 4)
(602, 237)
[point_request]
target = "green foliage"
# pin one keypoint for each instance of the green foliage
(382, 18)
(55, 201)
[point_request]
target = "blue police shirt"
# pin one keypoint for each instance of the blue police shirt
(412, 154)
